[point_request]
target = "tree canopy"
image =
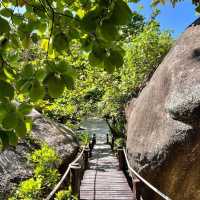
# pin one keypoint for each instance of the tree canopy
(53, 27)
(67, 50)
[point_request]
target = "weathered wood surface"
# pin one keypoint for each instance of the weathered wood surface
(104, 180)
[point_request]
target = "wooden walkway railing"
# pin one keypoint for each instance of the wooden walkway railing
(75, 171)
(138, 181)
(104, 179)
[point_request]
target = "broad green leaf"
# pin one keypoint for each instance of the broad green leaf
(60, 42)
(108, 66)
(56, 85)
(10, 121)
(44, 44)
(4, 26)
(121, 14)
(24, 85)
(4, 138)
(13, 139)
(20, 128)
(17, 18)
(116, 58)
(69, 81)
(6, 12)
(90, 20)
(25, 108)
(9, 73)
(37, 91)
(26, 42)
(35, 38)
(3, 111)
(27, 71)
(40, 74)
(94, 60)
(6, 90)
(108, 31)
(28, 122)
(97, 56)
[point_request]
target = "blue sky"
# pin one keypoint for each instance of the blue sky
(176, 19)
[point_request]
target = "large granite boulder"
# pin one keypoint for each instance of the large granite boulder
(13, 161)
(163, 123)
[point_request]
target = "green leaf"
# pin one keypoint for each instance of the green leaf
(34, 37)
(6, 12)
(13, 139)
(116, 58)
(197, 9)
(37, 91)
(40, 74)
(121, 14)
(108, 31)
(28, 122)
(5, 27)
(108, 66)
(27, 71)
(24, 85)
(4, 138)
(56, 85)
(25, 108)
(3, 111)
(6, 90)
(97, 56)
(20, 128)
(10, 120)
(60, 42)
(17, 19)
(69, 81)
(90, 21)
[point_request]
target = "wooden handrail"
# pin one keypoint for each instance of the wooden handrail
(143, 180)
(65, 175)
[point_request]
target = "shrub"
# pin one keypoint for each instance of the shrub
(65, 195)
(45, 175)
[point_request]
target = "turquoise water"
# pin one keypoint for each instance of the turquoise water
(96, 126)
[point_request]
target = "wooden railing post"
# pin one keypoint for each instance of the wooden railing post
(93, 140)
(112, 143)
(90, 147)
(137, 185)
(86, 155)
(121, 159)
(107, 138)
(76, 179)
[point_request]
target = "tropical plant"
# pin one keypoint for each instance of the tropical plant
(46, 175)
(50, 28)
(65, 195)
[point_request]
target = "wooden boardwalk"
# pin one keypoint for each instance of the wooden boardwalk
(104, 180)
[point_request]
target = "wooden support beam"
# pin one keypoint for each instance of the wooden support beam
(76, 179)
(107, 138)
(121, 158)
(86, 155)
(90, 147)
(137, 186)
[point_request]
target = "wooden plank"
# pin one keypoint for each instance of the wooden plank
(104, 180)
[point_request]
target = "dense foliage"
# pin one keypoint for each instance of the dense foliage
(53, 26)
(46, 175)
(104, 94)
(48, 48)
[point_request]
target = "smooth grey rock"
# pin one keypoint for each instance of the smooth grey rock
(13, 161)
